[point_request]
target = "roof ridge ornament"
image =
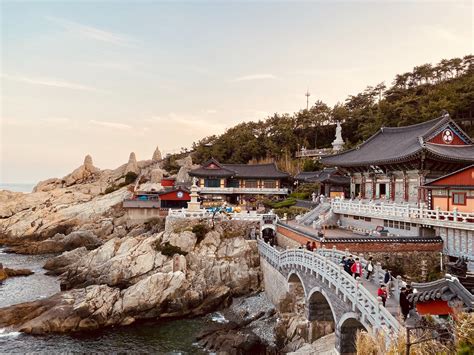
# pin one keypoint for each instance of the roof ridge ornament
(445, 114)
(421, 141)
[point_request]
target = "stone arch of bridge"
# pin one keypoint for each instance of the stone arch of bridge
(271, 227)
(297, 291)
(320, 313)
(346, 331)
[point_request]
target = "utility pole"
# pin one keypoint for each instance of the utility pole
(307, 99)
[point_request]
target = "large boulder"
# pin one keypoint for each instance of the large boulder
(132, 165)
(156, 155)
(57, 264)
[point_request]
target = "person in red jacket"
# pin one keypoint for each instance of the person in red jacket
(382, 293)
(356, 269)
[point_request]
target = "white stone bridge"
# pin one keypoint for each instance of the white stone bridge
(331, 295)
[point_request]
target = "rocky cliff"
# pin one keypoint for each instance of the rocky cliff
(171, 273)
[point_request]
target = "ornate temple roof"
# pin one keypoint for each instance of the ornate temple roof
(447, 289)
(440, 138)
(213, 168)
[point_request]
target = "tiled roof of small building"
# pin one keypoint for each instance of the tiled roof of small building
(327, 175)
(394, 144)
(239, 170)
(447, 289)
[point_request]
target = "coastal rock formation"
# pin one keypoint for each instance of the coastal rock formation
(186, 165)
(58, 264)
(59, 243)
(7, 272)
(156, 175)
(141, 277)
(43, 214)
(156, 155)
(132, 165)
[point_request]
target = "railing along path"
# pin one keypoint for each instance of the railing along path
(407, 213)
(323, 264)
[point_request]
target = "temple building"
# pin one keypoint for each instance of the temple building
(396, 162)
(239, 183)
(332, 183)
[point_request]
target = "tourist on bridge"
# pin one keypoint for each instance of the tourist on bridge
(348, 265)
(369, 268)
(308, 245)
(356, 269)
(343, 262)
(313, 246)
(387, 279)
(382, 293)
(404, 303)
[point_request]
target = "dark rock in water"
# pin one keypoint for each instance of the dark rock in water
(18, 272)
(235, 337)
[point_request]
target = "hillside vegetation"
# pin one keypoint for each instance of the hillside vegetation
(413, 97)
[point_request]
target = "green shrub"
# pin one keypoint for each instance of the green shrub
(285, 203)
(291, 212)
(200, 230)
(130, 177)
(301, 195)
(168, 249)
(308, 188)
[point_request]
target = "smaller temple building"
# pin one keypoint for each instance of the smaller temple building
(148, 204)
(454, 191)
(332, 183)
(238, 183)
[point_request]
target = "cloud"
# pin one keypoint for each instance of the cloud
(114, 125)
(52, 82)
(93, 32)
(255, 77)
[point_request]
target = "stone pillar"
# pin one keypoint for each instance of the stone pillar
(362, 187)
(405, 187)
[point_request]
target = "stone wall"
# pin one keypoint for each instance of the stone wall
(275, 283)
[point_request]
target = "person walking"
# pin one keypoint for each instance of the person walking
(356, 269)
(369, 268)
(308, 245)
(313, 246)
(382, 293)
(387, 280)
(404, 303)
(349, 263)
(343, 262)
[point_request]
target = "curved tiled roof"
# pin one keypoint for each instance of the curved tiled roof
(263, 171)
(394, 144)
(460, 152)
(446, 289)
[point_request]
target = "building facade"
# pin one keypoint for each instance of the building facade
(396, 162)
(452, 192)
(238, 183)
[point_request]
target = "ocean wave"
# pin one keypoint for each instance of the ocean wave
(218, 318)
(5, 333)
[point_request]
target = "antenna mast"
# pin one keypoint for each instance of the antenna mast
(307, 99)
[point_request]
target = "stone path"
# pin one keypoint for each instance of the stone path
(391, 304)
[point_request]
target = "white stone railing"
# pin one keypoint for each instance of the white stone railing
(371, 310)
(242, 190)
(185, 213)
(379, 273)
(406, 213)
